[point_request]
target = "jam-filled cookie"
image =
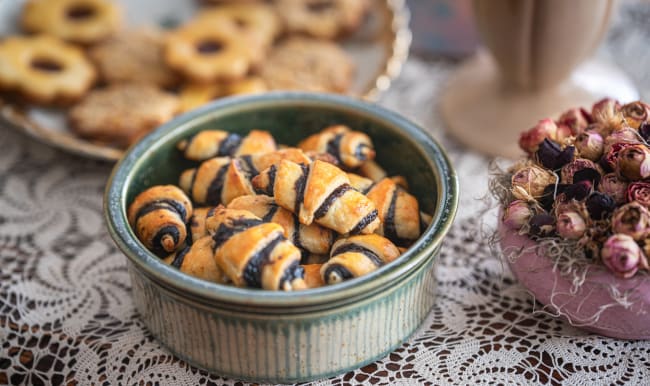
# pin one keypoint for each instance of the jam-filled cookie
(193, 95)
(122, 113)
(325, 19)
(204, 51)
(44, 69)
(308, 64)
(79, 21)
(134, 56)
(257, 20)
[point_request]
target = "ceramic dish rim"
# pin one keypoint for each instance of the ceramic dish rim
(153, 267)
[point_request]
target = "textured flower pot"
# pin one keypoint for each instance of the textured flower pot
(584, 307)
(295, 336)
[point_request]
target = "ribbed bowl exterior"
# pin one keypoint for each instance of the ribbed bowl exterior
(298, 347)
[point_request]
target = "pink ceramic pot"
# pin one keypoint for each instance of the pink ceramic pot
(536, 273)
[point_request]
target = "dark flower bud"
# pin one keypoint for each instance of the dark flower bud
(547, 199)
(552, 156)
(578, 191)
(587, 174)
(599, 205)
(644, 131)
(542, 225)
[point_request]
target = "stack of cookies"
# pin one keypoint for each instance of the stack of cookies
(119, 83)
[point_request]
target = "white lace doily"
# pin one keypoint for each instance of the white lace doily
(66, 314)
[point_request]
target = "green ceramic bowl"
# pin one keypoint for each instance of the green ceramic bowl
(295, 336)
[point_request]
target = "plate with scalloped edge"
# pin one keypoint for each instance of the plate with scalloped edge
(378, 48)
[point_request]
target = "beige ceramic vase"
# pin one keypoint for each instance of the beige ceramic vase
(530, 71)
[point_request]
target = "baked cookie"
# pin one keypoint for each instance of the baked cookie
(204, 51)
(308, 64)
(259, 21)
(44, 69)
(79, 21)
(122, 113)
(326, 19)
(134, 56)
(193, 95)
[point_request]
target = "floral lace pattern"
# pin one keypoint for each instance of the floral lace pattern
(66, 314)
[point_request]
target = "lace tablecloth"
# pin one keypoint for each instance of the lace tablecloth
(66, 314)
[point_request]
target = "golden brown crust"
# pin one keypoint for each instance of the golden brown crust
(313, 278)
(158, 217)
(351, 148)
(44, 69)
(312, 238)
(253, 253)
(257, 21)
(212, 143)
(326, 19)
(309, 65)
(371, 169)
(398, 210)
(122, 113)
(357, 256)
(208, 52)
(319, 192)
(198, 260)
(193, 95)
(197, 221)
(80, 21)
(134, 55)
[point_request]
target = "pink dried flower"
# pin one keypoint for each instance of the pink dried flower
(576, 119)
(632, 219)
(563, 133)
(636, 113)
(570, 225)
(623, 135)
(633, 162)
(622, 255)
(574, 166)
(590, 145)
(613, 186)
(640, 192)
(517, 214)
(529, 140)
(530, 181)
(602, 110)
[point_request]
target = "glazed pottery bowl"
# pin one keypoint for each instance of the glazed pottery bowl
(591, 306)
(286, 336)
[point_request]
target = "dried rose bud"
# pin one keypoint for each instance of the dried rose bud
(613, 186)
(644, 131)
(574, 166)
(588, 174)
(542, 225)
(530, 181)
(605, 108)
(640, 192)
(552, 156)
(576, 119)
(634, 162)
(529, 140)
(610, 159)
(564, 134)
(570, 225)
(599, 205)
(632, 219)
(636, 113)
(549, 196)
(517, 214)
(624, 134)
(622, 255)
(590, 145)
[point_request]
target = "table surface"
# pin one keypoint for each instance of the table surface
(66, 314)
